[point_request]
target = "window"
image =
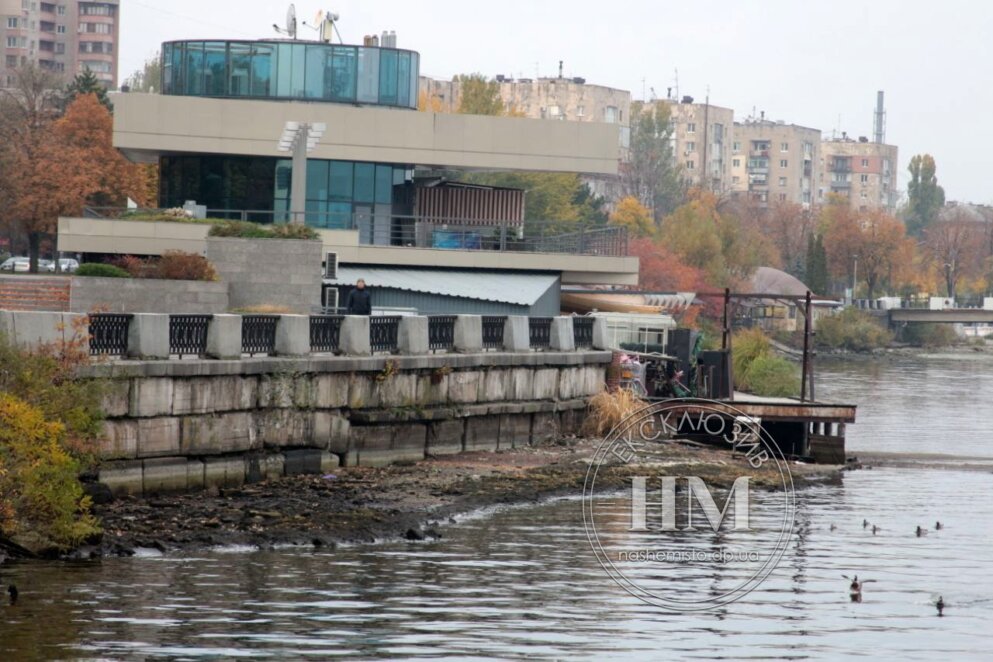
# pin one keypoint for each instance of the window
(60, 49)
(691, 127)
(783, 163)
(580, 111)
(387, 78)
(690, 165)
(12, 23)
(11, 42)
(610, 114)
(782, 197)
(808, 149)
(864, 179)
(865, 163)
(735, 163)
(784, 147)
(691, 146)
(735, 179)
(554, 111)
(61, 10)
(11, 61)
(736, 146)
(782, 181)
(61, 29)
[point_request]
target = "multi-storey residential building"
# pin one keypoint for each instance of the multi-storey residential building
(702, 137)
(63, 36)
(862, 171)
(776, 162)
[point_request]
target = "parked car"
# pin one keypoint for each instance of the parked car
(16, 264)
(67, 265)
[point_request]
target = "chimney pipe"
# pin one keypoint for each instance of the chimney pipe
(879, 125)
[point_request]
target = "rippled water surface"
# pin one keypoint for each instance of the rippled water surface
(523, 582)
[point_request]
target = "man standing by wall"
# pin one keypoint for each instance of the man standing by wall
(359, 302)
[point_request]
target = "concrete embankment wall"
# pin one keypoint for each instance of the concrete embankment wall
(142, 295)
(186, 425)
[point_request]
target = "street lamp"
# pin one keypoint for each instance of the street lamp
(300, 138)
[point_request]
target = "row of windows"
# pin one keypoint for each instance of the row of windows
(97, 9)
(96, 28)
(291, 71)
(104, 47)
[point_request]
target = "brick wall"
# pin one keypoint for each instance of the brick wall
(34, 293)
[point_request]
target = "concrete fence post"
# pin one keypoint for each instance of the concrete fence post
(148, 336)
(600, 333)
(468, 333)
(517, 334)
(353, 339)
(412, 337)
(224, 337)
(293, 335)
(562, 338)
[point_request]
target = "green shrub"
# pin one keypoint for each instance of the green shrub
(758, 370)
(851, 329)
(929, 335)
(247, 230)
(102, 271)
(177, 215)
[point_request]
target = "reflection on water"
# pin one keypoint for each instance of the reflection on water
(523, 582)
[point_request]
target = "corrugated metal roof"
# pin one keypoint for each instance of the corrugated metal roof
(520, 289)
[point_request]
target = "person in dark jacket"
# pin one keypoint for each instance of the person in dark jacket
(359, 302)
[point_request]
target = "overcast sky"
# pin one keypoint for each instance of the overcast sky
(816, 64)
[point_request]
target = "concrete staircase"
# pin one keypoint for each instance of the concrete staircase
(34, 293)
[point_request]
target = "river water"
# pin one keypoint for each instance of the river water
(522, 582)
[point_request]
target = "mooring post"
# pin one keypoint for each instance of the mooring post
(727, 369)
(806, 374)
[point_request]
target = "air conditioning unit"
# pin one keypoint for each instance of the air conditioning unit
(331, 266)
(329, 299)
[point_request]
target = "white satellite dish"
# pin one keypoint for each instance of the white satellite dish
(291, 23)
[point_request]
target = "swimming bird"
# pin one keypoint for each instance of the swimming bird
(855, 587)
(12, 592)
(874, 529)
(921, 532)
(940, 604)
(833, 527)
(937, 526)
(865, 524)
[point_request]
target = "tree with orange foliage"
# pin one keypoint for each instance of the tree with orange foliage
(876, 240)
(634, 216)
(955, 247)
(55, 165)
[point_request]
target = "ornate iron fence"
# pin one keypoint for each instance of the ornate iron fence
(441, 332)
(188, 334)
(109, 333)
(582, 332)
(258, 334)
(540, 332)
(493, 331)
(325, 333)
(383, 332)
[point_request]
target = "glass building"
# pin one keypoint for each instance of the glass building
(340, 194)
(291, 70)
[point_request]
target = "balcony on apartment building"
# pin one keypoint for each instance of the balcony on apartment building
(841, 165)
(839, 184)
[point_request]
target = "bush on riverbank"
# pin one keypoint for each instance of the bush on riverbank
(49, 421)
(853, 330)
(929, 335)
(758, 370)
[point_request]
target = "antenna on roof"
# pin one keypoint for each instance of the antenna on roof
(291, 23)
(326, 25)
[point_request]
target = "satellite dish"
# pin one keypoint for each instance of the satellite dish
(291, 21)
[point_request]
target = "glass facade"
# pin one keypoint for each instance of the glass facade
(340, 194)
(295, 70)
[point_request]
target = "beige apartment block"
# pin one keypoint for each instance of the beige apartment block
(776, 162)
(62, 36)
(702, 139)
(864, 172)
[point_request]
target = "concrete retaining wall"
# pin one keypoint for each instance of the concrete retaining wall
(277, 272)
(144, 295)
(185, 425)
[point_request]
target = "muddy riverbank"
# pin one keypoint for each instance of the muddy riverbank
(362, 504)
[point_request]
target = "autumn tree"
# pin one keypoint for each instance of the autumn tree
(874, 241)
(650, 173)
(148, 78)
(786, 226)
(661, 270)
(954, 246)
(479, 95)
(632, 215)
(925, 197)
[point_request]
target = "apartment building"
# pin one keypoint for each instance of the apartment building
(862, 171)
(776, 162)
(62, 36)
(702, 139)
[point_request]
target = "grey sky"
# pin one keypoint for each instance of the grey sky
(817, 64)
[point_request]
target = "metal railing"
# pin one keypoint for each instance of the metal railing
(109, 333)
(188, 334)
(582, 332)
(493, 326)
(258, 334)
(325, 333)
(422, 231)
(540, 332)
(383, 333)
(441, 332)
